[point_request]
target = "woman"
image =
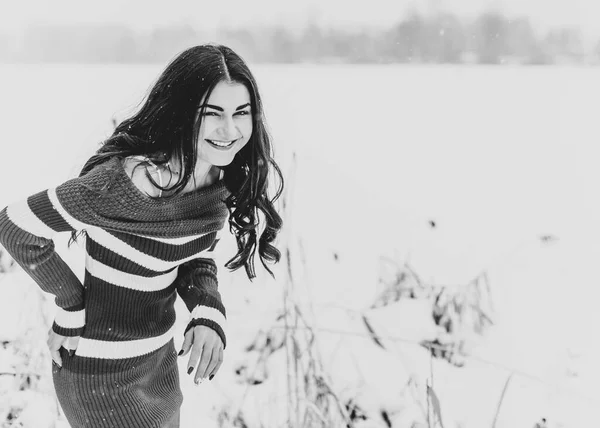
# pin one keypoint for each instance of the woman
(151, 202)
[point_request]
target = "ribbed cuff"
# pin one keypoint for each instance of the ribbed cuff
(69, 322)
(209, 317)
(68, 332)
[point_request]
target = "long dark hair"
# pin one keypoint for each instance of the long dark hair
(166, 127)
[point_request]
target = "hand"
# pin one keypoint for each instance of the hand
(55, 341)
(207, 347)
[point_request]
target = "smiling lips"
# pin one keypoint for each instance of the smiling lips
(221, 144)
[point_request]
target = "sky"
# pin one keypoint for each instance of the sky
(144, 14)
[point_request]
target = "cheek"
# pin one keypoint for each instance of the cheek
(206, 127)
(246, 129)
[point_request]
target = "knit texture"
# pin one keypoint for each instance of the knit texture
(140, 253)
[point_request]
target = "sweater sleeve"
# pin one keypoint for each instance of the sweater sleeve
(197, 285)
(26, 231)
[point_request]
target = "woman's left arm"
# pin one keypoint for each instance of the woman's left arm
(197, 285)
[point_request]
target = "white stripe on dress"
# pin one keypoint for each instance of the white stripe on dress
(173, 241)
(122, 349)
(66, 319)
(207, 312)
(74, 223)
(123, 249)
(21, 215)
(126, 280)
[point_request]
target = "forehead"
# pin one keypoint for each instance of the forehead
(228, 95)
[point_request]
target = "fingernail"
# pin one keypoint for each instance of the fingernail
(211, 376)
(191, 369)
(180, 353)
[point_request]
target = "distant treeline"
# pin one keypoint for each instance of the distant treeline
(490, 38)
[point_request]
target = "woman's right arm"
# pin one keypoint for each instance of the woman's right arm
(26, 231)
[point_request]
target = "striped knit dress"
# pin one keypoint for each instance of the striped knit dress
(140, 253)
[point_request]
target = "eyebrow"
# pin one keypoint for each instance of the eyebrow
(221, 109)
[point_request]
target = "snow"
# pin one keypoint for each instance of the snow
(503, 160)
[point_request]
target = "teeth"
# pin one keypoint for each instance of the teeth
(222, 143)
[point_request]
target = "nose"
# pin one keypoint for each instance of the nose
(228, 130)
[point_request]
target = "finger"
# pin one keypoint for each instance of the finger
(70, 344)
(187, 342)
(205, 359)
(54, 343)
(67, 343)
(214, 360)
(195, 355)
(218, 366)
(56, 356)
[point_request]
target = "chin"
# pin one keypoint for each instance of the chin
(222, 160)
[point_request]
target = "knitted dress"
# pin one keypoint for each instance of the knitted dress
(140, 253)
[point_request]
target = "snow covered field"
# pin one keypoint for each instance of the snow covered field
(458, 171)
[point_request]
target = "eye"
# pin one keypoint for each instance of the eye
(210, 113)
(243, 113)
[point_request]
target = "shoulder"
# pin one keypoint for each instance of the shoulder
(137, 168)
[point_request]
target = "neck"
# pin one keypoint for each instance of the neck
(204, 175)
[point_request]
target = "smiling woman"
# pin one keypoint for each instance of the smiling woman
(149, 239)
